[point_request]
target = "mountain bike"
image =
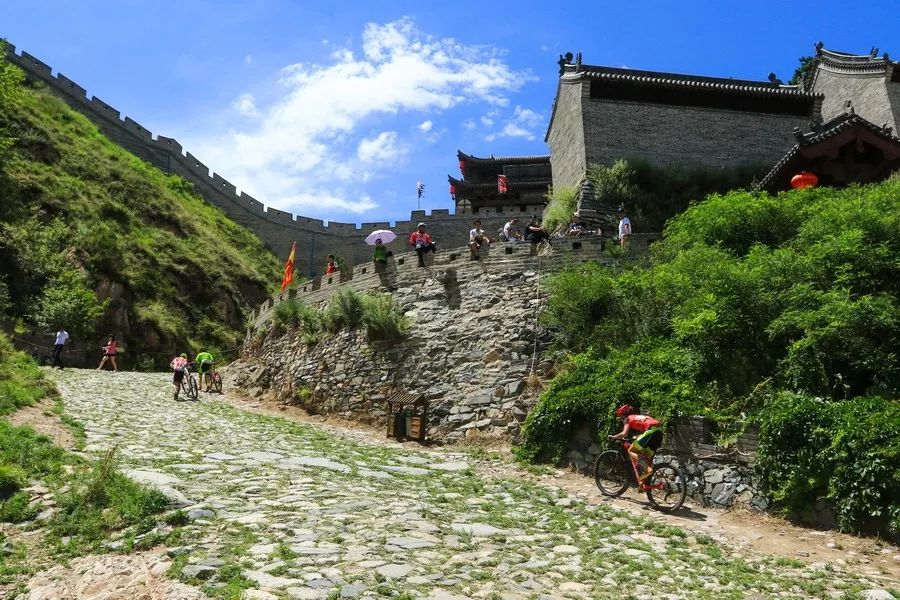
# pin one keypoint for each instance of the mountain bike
(189, 384)
(666, 487)
(214, 381)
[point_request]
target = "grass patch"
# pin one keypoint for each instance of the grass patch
(21, 381)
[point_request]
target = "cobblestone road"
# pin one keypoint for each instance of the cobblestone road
(304, 513)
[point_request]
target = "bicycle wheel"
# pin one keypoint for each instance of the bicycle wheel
(191, 385)
(217, 382)
(611, 473)
(668, 488)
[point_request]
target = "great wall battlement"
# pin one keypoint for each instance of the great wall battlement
(276, 228)
(402, 270)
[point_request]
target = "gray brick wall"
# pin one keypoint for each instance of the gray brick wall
(679, 135)
(566, 136)
(872, 96)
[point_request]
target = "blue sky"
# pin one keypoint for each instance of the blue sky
(335, 109)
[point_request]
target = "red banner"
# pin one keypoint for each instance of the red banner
(502, 184)
(289, 268)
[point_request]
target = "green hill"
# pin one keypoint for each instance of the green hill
(94, 239)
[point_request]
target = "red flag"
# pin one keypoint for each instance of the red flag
(502, 185)
(289, 268)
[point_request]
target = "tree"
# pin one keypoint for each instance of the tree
(803, 74)
(68, 302)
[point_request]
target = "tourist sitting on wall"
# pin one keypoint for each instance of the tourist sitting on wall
(421, 241)
(577, 227)
(331, 266)
(380, 253)
(477, 239)
(510, 231)
(535, 233)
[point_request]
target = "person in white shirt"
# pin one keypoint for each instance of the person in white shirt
(477, 239)
(624, 227)
(511, 231)
(62, 336)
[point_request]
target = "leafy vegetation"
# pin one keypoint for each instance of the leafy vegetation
(382, 318)
(561, 203)
(653, 194)
(92, 237)
(804, 72)
(21, 381)
(747, 296)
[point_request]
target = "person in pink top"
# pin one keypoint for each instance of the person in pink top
(178, 364)
(109, 353)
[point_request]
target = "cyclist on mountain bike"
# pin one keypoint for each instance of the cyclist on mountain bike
(649, 438)
(204, 361)
(178, 365)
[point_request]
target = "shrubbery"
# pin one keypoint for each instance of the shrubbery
(653, 194)
(847, 452)
(346, 309)
(21, 381)
(799, 291)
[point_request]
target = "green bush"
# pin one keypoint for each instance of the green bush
(655, 375)
(12, 478)
(653, 194)
(746, 292)
(561, 203)
(68, 302)
(383, 319)
(21, 381)
(847, 452)
(345, 309)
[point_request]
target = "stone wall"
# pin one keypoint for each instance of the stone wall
(565, 135)
(683, 135)
(276, 228)
(872, 94)
(469, 350)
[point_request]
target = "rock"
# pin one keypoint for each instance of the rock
(393, 571)
(200, 513)
(450, 466)
(257, 595)
(197, 571)
(352, 590)
(491, 356)
(714, 476)
(876, 595)
(477, 529)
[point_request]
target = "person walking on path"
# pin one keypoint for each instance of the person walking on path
(62, 336)
(109, 353)
(624, 227)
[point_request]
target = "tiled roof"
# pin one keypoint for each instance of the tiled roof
(843, 61)
(821, 133)
(512, 182)
(699, 82)
(506, 160)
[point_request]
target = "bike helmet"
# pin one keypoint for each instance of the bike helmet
(183, 355)
(624, 410)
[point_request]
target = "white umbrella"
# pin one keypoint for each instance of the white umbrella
(385, 235)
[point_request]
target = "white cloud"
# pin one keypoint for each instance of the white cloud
(308, 137)
(382, 148)
(468, 125)
(425, 126)
(248, 59)
(521, 124)
(245, 105)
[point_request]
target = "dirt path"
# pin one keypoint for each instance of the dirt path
(742, 529)
(42, 418)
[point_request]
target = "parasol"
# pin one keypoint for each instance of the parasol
(386, 236)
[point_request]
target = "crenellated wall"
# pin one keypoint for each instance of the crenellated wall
(276, 228)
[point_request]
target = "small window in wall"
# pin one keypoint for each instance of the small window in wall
(499, 209)
(523, 208)
(474, 210)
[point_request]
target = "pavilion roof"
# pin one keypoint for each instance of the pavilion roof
(503, 160)
(822, 133)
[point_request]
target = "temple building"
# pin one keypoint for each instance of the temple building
(500, 184)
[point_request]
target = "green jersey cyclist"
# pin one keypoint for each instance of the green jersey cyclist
(204, 362)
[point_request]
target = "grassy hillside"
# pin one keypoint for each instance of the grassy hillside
(94, 239)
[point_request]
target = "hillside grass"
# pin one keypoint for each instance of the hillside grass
(80, 216)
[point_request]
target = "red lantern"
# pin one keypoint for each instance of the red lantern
(453, 191)
(462, 166)
(804, 179)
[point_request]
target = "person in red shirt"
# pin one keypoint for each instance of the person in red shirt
(331, 266)
(649, 438)
(110, 350)
(421, 241)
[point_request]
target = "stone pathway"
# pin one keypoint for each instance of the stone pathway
(301, 512)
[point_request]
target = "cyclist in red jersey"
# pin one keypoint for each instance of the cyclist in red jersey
(649, 438)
